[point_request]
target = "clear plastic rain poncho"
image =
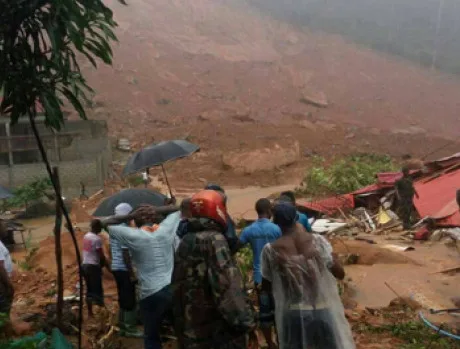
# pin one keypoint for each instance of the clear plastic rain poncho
(308, 311)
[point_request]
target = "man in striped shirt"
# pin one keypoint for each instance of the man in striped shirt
(125, 279)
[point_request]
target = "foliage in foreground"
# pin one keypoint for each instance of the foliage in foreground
(38, 60)
(29, 192)
(8, 343)
(3, 320)
(344, 175)
(413, 334)
(27, 263)
(244, 257)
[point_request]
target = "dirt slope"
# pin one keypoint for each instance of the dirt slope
(211, 54)
(201, 68)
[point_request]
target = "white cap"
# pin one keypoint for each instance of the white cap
(123, 209)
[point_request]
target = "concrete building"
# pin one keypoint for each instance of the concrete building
(81, 150)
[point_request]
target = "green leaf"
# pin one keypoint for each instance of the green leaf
(38, 41)
(90, 58)
(75, 102)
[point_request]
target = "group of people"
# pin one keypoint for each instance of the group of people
(177, 264)
(187, 275)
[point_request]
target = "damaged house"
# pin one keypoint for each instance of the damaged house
(436, 183)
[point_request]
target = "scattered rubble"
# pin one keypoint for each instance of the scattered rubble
(212, 115)
(409, 130)
(310, 126)
(322, 226)
(265, 159)
(317, 99)
(373, 209)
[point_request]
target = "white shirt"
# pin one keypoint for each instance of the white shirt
(152, 253)
(92, 243)
(6, 259)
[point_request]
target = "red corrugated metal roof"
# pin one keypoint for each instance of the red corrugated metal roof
(330, 205)
(385, 180)
(388, 178)
(437, 192)
(444, 162)
(451, 221)
(437, 198)
(371, 189)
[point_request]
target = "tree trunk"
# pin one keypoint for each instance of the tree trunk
(58, 252)
(32, 113)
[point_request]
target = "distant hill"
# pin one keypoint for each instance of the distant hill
(425, 31)
(214, 59)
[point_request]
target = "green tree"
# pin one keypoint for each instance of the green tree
(29, 192)
(40, 44)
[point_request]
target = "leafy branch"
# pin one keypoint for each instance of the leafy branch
(29, 192)
(40, 41)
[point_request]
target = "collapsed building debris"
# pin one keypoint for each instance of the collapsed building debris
(374, 208)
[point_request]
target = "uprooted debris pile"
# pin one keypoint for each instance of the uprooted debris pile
(374, 209)
(399, 325)
(355, 252)
(372, 326)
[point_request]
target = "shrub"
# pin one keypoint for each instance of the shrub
(244, 258)
(29, 192)
(27, 263)
(413, 334)
(344, 175)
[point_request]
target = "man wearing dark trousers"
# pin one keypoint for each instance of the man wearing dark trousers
(153, 255)
(258, 234)
(126, 281)
(405, 192)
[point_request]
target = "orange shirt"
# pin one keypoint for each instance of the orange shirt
(150, 229)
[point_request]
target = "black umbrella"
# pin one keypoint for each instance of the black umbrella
(134, 197)
(157, 155)
(5, 193)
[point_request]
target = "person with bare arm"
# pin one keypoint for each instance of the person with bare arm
(185, 216)
(302, 218)
(299, 269)
(257, 235)
(93, 262)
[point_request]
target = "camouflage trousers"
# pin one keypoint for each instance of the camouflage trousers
(406, 209)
